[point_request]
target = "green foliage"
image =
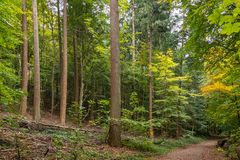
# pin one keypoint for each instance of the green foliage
(171, 99)
(160, 146)
(227, 16)
(212, 45)
(75, 140)
(233, 144)
(133, 119)
(102, 112)
(10, 121)
(76, 113)
(76, 149)
(9, 40)
(209, 38)
(134, 126)
(58, 145)
(141, 144)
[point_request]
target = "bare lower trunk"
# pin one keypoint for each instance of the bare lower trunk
(114, 138)
(151, 132)
(63, 97)
(37, 86)
(76, 76)
(24, 66)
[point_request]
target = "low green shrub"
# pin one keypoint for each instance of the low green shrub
(141, 144)
(159, 146)
(234, 142)
(10, 121)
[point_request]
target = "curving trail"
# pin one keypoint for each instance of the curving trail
(202, 151)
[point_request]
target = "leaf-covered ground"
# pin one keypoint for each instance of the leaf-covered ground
(27, 142)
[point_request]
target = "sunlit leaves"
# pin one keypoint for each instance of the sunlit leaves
(227, 16)
(230, 28)
(10, 38)
(217, 86)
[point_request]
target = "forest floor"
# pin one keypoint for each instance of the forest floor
(50, 142)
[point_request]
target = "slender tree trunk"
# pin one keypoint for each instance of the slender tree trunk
(76, 76)
(133, 43)
(115, 111)
(37, 85)
(59, 39)
(63, 97)
(43, 32)
(178, 131)
(53, 66)
(133, 32)
(151, 132)
(81, 87)
(24, 66)
(81, 78)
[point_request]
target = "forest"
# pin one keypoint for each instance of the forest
(120, 79)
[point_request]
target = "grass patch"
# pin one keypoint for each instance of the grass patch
(159, 146)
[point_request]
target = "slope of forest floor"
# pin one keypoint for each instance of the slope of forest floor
(55, 142)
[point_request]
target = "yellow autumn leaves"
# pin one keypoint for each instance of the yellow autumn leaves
(217, 86)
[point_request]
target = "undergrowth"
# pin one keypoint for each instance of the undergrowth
(159, 146)
(74, 145)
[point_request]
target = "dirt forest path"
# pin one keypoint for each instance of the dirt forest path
(202, 151)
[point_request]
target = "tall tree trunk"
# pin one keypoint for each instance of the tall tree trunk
(81, 76)
(81, 87)
(133, 32)
(59, 39)
(76, 76)
(53, 66)
(43, 32)
(179, 128)
(24, 66)
(133, 44)
(151, 132)
(37, 85)
(63, 97)
(115, 111)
